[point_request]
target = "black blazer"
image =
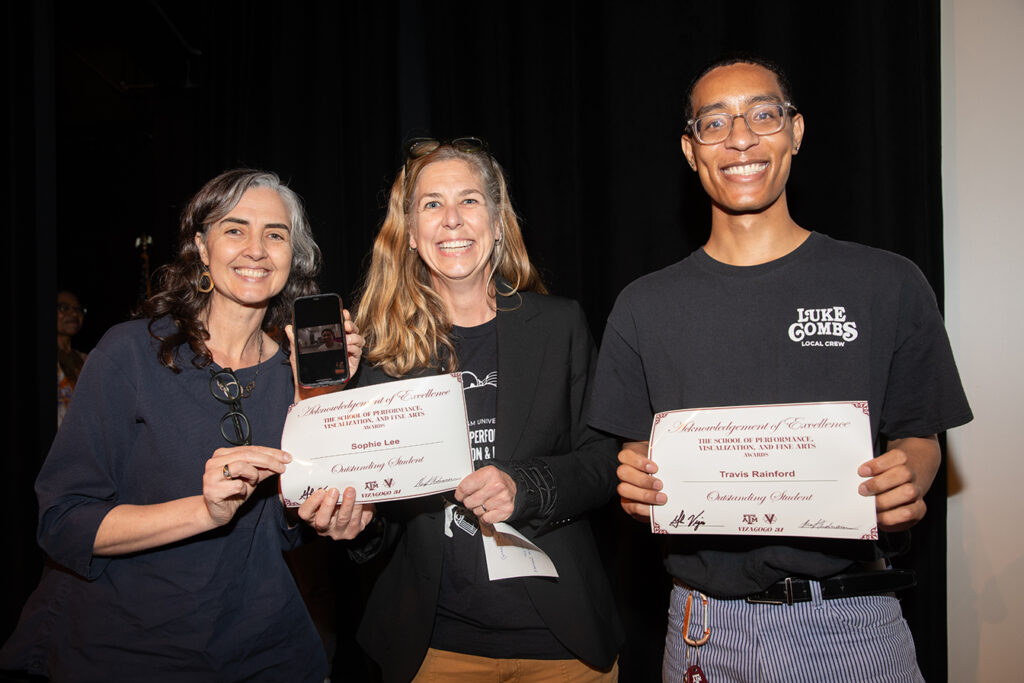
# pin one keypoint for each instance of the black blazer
(546, 360)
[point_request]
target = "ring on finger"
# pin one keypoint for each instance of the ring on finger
(483, 507)
(227, 472)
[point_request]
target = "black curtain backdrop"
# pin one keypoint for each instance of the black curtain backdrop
(116, 112)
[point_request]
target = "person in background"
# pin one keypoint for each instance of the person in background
(327, 340)
(70, 316)
(451, 287)
(158, 502)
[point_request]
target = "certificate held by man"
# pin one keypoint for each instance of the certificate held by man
(402, 439)
(770, 470)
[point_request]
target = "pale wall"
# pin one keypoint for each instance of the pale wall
(983, 187)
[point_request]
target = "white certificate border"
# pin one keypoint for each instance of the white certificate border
(871, 535)
(292, 505)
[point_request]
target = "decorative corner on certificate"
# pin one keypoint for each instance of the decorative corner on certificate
(784, 470)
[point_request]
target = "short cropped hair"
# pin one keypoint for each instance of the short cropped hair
(739, 58)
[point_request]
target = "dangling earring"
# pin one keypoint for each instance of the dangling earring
(496, 250)
(205, 284)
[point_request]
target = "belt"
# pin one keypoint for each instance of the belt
(790, 590)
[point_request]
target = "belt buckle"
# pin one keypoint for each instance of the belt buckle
(753, 600)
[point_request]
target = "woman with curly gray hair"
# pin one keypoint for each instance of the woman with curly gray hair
(159, 505)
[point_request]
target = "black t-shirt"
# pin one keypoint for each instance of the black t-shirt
(475, 615)
(701, 333)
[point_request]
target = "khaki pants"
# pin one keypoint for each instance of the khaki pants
(441, 666)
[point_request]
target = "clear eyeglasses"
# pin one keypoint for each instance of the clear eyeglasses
(762, 119)
(70, 308)
(234, 425)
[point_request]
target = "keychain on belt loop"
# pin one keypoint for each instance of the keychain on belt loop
(694, 674)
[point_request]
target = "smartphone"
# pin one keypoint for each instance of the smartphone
(320, 348)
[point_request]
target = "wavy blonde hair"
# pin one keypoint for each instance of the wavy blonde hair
(404, 320)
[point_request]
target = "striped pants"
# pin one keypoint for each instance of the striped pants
(847, 639)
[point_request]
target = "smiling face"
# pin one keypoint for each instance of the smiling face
(451, 227)
(69, 314)
(248, 251)
(745, 173)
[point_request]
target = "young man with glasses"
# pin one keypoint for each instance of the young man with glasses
(723, 328)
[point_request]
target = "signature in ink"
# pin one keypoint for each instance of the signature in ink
(694, 520)
(823, 524)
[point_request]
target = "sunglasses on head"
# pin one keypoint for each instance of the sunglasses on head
(421, 147)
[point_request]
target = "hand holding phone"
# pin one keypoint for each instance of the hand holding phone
(320, 346)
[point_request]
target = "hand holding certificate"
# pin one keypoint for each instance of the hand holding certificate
(783, 470)
(398, 440)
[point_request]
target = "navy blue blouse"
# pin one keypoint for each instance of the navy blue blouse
(220, 606)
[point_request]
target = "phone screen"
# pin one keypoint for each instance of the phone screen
(321, 352)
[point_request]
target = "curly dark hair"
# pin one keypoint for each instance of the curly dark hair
(177, 295)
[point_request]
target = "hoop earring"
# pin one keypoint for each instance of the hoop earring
(207, 286)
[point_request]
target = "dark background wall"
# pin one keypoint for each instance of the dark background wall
(117, 111)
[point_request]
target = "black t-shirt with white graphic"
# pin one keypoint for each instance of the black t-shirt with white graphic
(830, 321)
(475, 615)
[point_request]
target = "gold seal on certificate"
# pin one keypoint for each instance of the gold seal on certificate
(402, 439)
(771, 470)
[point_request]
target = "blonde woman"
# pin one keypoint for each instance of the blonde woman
(451, 287)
